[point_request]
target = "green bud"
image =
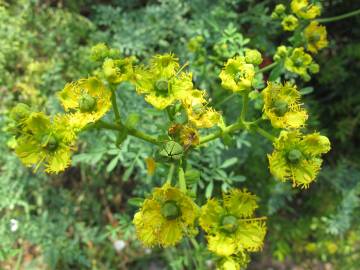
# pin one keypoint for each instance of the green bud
(314, 68)
(171, 151)
(87, 103)
(20, 112)
(294, 156)
(229, 223)
(99, 52)
(279, 9)
(170, 210)
(280, 107)
(162, 86)
(253, 57)
(50, 143)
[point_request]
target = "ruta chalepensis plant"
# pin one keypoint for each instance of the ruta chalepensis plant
(170, 213)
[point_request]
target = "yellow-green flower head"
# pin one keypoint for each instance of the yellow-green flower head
(100, 51)
(195, 43)
(297, 157)
(281, 52)
(20, 113)
(282, 105)
(299, 62)
(199, 114)
(119, 70)
(290, 23)
(234, 262)
(161, 84)
(237, 75)
(253, 57)
(87, 100)
(165, 217)
(316, 37)
(46, 142)
(230, 226)
(304, 10)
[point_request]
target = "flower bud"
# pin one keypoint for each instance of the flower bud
(229, 223)
(170, 210)
(87, 103)
(279, 9)
(253, 57)
(294, 156)
(20, 112)
(171, 151)
(314, 68)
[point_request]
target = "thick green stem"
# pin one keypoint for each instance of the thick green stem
(219, 133)
(340, 17)
(171, 173)
(244, 108)
(131, 131)
(267, 68)
(264, 133)
(115, 107)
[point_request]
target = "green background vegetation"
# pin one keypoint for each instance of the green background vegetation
(73, 220)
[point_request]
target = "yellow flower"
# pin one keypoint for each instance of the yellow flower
(234, 262)
(304, 10)
(165, 217)
(297, 157)
(282, 105)
(230, 227)
(316, 37)
(119, 70)
(299, 62)
(161, 83)
(87, 100)
(281, 52)
(237, 75)
(199, 114)
(46, 142)
(289, 23)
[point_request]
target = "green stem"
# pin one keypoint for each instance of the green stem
(115, 107)
(131, 131)
(182, 181)
(219, 133)
(225, 100)
(170, 174)
(253, 219)
(244, 108)
(264, 133)
(267, 68)
(340, 17)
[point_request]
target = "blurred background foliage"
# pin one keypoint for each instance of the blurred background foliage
(81, 219)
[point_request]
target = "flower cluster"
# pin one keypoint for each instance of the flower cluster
(238, 73)
(296, 157)
(231, 229)
(308, 31)
(297, 61)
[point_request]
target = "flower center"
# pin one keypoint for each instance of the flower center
(50, 143)
(314, 38)
(280, 107)
(240, 75)
(229, 223)
(87, 103)
(294, 156)
(170, 210)
(161, 86)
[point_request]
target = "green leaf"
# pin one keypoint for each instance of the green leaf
(112, 164)
(209, 190)
(135, 201)
(306, 90)
(229, 162)
(276, 72)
